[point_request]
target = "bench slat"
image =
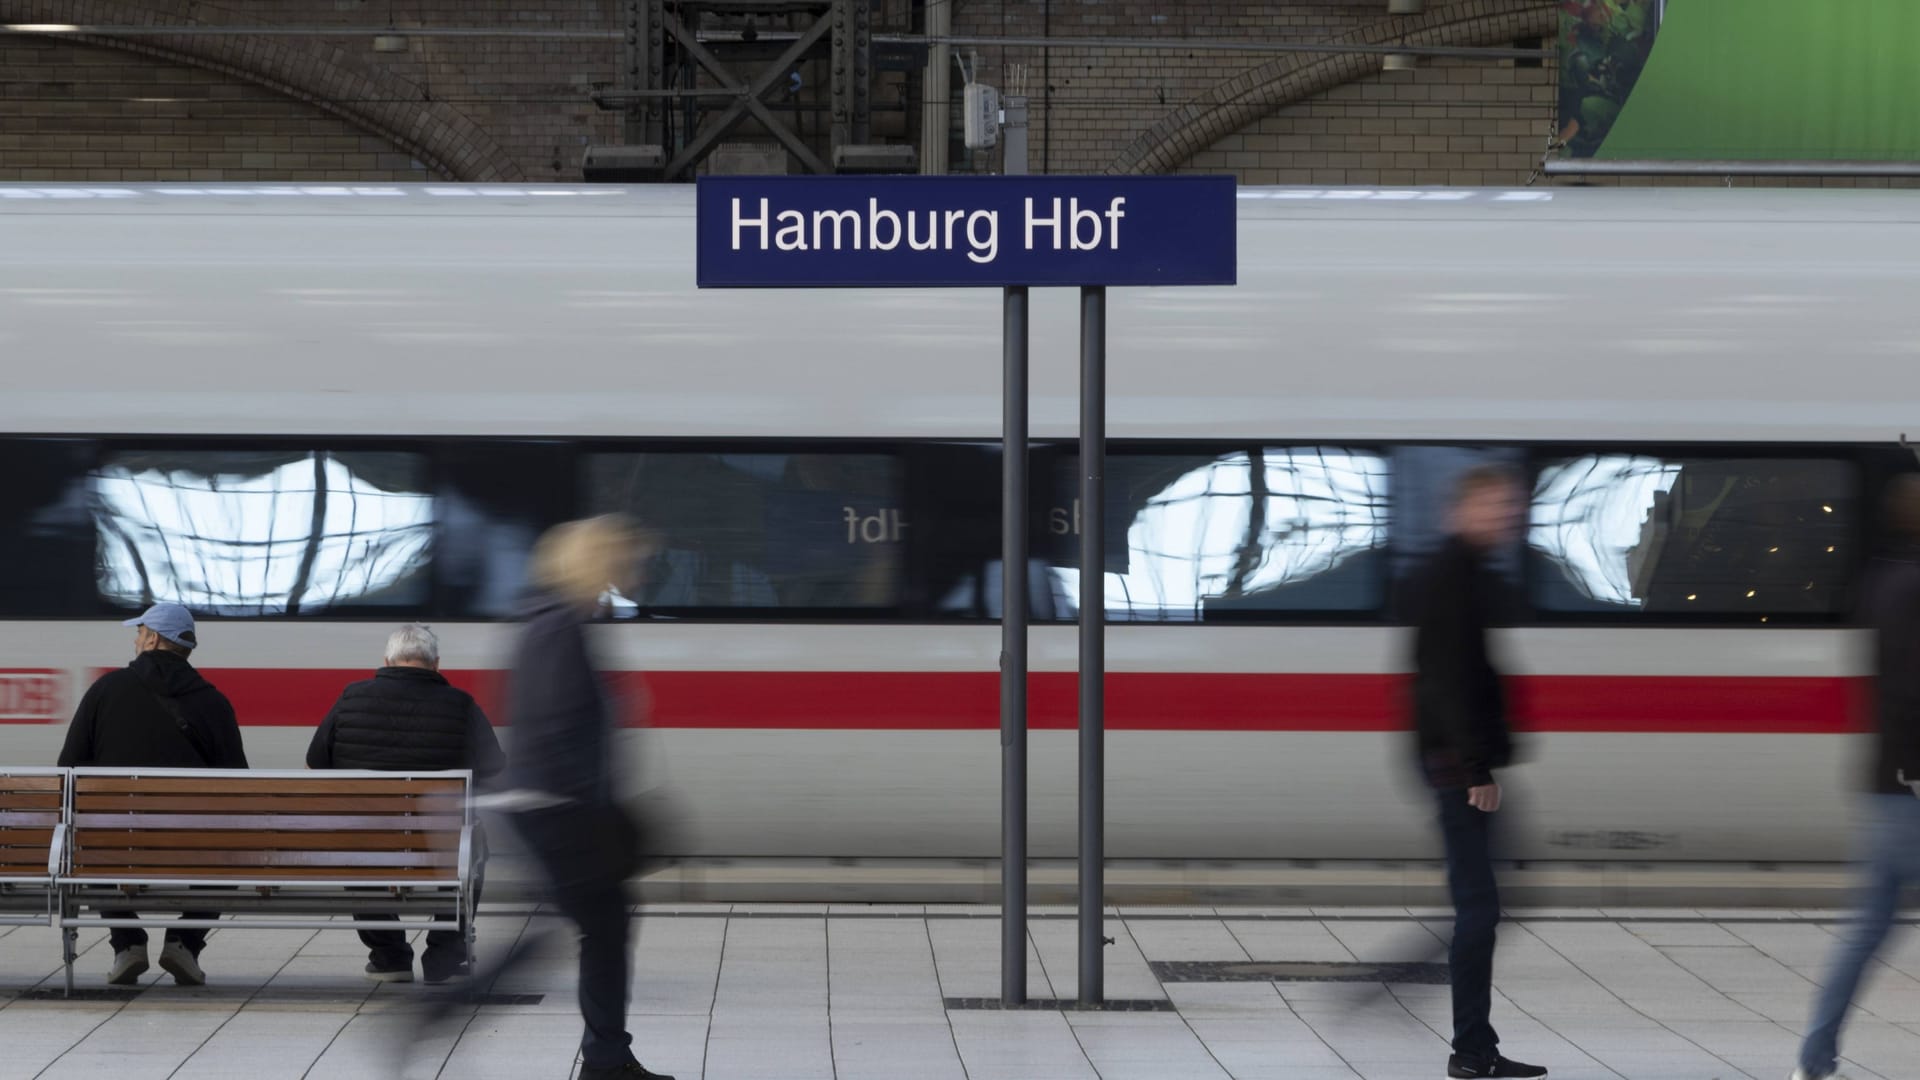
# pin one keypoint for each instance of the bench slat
(240, 785)
(85, 861)
(30, 800)
(273, 822)
(214, 802)
(197, 840)
(37, 819)
(28, 837)
(16, 782)
(134, 875)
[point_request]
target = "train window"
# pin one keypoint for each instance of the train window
(1682, 535)
(46, 533)
(262, 532)
(1236, 533)
(769, 531)
(493, 499)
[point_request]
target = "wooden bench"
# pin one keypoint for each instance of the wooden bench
(299, 850)
(31, 804)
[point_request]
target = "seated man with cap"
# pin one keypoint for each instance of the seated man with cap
(157, 712)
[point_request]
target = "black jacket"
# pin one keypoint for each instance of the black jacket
(120, 723)
(1459, 705)
(562, 721)
(405, 719)
(1891, 607)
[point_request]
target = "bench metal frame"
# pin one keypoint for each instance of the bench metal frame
(15, 891)
(310, 903)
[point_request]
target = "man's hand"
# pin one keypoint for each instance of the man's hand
(1484, 797)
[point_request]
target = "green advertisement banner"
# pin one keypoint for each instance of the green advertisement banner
(1740, 80)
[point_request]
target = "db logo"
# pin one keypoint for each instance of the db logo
(31, 696)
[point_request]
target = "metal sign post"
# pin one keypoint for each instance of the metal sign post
(1013, 652)
(1013, 233)
(1093, 642)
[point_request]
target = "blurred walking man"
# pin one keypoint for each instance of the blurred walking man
(156, 712)
(408, 718)
(1461, 723)
(1891, 608)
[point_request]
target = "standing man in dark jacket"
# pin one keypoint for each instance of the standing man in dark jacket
(1890, 607)
(1460, 720)
(408, 718)
(156, 712)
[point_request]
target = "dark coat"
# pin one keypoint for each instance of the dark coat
(120, 723)
(1891, 607)
(1459, 704)
(405, 719)
(562, 721)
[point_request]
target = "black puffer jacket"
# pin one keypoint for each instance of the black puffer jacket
(405, 719)
(122, 724)
(1891, 607)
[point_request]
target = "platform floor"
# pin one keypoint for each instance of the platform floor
(793, 992)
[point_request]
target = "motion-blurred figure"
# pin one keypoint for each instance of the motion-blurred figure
(1460, 719)
(561, 770)
(1891, 608)
(408, 718)
(156, 712)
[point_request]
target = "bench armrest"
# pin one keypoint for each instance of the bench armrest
(57, 851)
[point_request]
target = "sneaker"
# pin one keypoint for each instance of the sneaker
(1459, 1069)
(387, 975)
(632, 1070)
(128, 965)
(178, 961)
(442, 976)
(1803, 1074)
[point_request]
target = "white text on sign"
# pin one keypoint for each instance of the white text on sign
(1063, 225)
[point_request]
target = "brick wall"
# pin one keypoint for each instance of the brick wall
(71, 112)
(284, 107)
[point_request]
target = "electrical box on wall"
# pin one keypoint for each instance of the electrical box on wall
(982, 107)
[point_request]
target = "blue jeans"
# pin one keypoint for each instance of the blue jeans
(1893, 861)
(1470, 839)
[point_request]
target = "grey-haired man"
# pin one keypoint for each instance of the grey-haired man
(157, 712)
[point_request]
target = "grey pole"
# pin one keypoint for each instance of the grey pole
(1013, 653)
(1093, 657)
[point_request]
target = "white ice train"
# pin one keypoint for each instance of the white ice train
(315, 412)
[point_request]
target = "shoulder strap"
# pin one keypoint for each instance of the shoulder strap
(172, 709)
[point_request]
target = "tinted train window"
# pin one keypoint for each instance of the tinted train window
(1225, 534)
(493, 500)
(262, 532)
(46, 532)
(1624, 532)
(820, 531)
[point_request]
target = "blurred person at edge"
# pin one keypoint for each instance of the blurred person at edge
(1890, 607)
(1460, 724)
(563, 795)
(157, 712)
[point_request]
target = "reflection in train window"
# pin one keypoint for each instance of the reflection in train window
(1268, 529)
(1718, 536)
(765, 530)
(262, 532)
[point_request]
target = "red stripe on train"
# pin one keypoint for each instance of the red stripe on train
(1136, 701)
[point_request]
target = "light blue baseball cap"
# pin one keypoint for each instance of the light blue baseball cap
(171, 621)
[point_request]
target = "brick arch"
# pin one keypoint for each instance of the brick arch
(1239, 101)
(375, 101)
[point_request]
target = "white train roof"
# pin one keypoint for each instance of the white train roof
(1361, 314)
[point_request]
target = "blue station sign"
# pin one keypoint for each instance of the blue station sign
(960, 231)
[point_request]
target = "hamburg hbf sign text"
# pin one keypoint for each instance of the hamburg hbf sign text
(945, 231)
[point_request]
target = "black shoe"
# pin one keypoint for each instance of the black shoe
(632, 1070)
(1459, 1068)
(436, 976)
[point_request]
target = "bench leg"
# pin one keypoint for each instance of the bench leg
(69, 940)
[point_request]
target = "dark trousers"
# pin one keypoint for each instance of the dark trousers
(126, 937)
(389, 950)
(595, 900)
(1470, 842)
